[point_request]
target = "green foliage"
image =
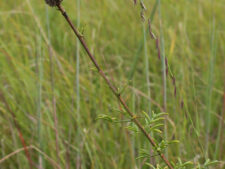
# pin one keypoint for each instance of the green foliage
(208, 163)
(106, 117)
(186, 165)
(133, 128)
(157, 166)
(183, 165)
(161, 146)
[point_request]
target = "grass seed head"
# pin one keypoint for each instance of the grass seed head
(53, 2)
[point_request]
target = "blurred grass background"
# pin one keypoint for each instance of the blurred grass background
(38, 74)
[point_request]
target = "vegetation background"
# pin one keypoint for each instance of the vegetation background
(57, 97)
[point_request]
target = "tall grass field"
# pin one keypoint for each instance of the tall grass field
(157, 99)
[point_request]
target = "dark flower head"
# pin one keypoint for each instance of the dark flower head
(53, 2)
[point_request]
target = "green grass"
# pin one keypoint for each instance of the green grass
(114, 33)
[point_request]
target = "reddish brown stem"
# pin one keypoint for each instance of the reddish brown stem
(113, 89)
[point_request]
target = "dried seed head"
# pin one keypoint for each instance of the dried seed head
(53, 2)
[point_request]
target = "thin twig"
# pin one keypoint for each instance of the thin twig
(113, 89)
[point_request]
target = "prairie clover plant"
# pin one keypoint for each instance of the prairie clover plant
(144, 124)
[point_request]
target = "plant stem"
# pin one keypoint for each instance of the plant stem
(210, 84)
(78, 158)
(39, 72)
(78, 63)
(110, 85)
(147, 71)
(163, 58)
(147, 81)
(53, 99)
